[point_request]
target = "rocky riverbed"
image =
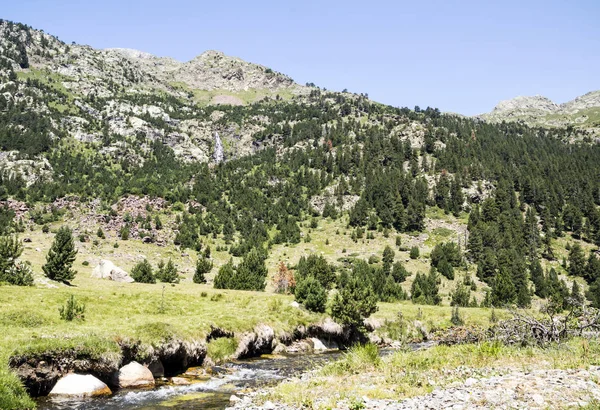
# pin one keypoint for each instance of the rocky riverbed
(517, 389)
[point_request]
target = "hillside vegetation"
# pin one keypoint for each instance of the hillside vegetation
(349, 207)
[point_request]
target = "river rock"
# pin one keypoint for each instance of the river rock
(300, 346)
(180, 381)
(135, 375)
(80, 385)
(322, 344)
(280, 348)
(107, 270)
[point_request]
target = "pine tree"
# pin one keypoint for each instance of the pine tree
(576, 261)
(225, 275)
(311, 294)
(317, 267)
(503, 291)
(576, 294)
(461, 296)
(354, 302)
(167, 272)
(539, 280)
(11, 270)
(592, 268)
(158, 223)
(388, 259)
(251, 272)
(61, 256)
(142, 272)
(425, 288)
(399, 272)
(203, 266)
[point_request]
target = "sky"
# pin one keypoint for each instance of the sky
(458, 56)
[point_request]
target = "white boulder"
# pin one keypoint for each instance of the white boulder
(107, 270)
(80, 385)
(135, 375)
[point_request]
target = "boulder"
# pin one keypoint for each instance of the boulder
(180, 381)
(322, 344)
(135, 375)
(80, 385)
(107, 270)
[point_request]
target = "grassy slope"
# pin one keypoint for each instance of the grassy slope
(30, 315)
(205, 97)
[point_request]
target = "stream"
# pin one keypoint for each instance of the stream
(206, 392)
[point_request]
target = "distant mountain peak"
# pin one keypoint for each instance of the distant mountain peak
(583, 111)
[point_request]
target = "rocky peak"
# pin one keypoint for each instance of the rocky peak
(214, 70)
(525, 104)
(589, 100)
(583, 112)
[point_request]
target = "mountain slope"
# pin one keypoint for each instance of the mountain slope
(582, 113)
(115, 95)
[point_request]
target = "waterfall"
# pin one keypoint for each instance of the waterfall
(218, 153)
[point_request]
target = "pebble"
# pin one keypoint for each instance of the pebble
(536, 390)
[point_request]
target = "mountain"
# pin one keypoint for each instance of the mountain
(582, 113)
(223, 173)
(109, 95)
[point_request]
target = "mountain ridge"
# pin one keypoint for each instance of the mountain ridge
(582, 112)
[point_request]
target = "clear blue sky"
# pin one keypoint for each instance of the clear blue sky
(460, 56)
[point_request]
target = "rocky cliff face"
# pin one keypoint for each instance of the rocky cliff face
(524, 106)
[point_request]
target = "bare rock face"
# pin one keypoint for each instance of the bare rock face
(214, 70)
(107, 270)
(31, 171)
(80, 385)
(518, 104)
(589, 100)
(135, 375)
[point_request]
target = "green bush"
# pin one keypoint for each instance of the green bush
(124, 232)
(414, 252)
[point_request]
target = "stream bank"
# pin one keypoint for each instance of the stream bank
(41, 370)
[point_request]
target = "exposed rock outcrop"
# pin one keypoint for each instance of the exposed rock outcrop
(255, 343)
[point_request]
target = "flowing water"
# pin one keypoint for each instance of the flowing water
(206, 392)
(218, 153)
(211, 393)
